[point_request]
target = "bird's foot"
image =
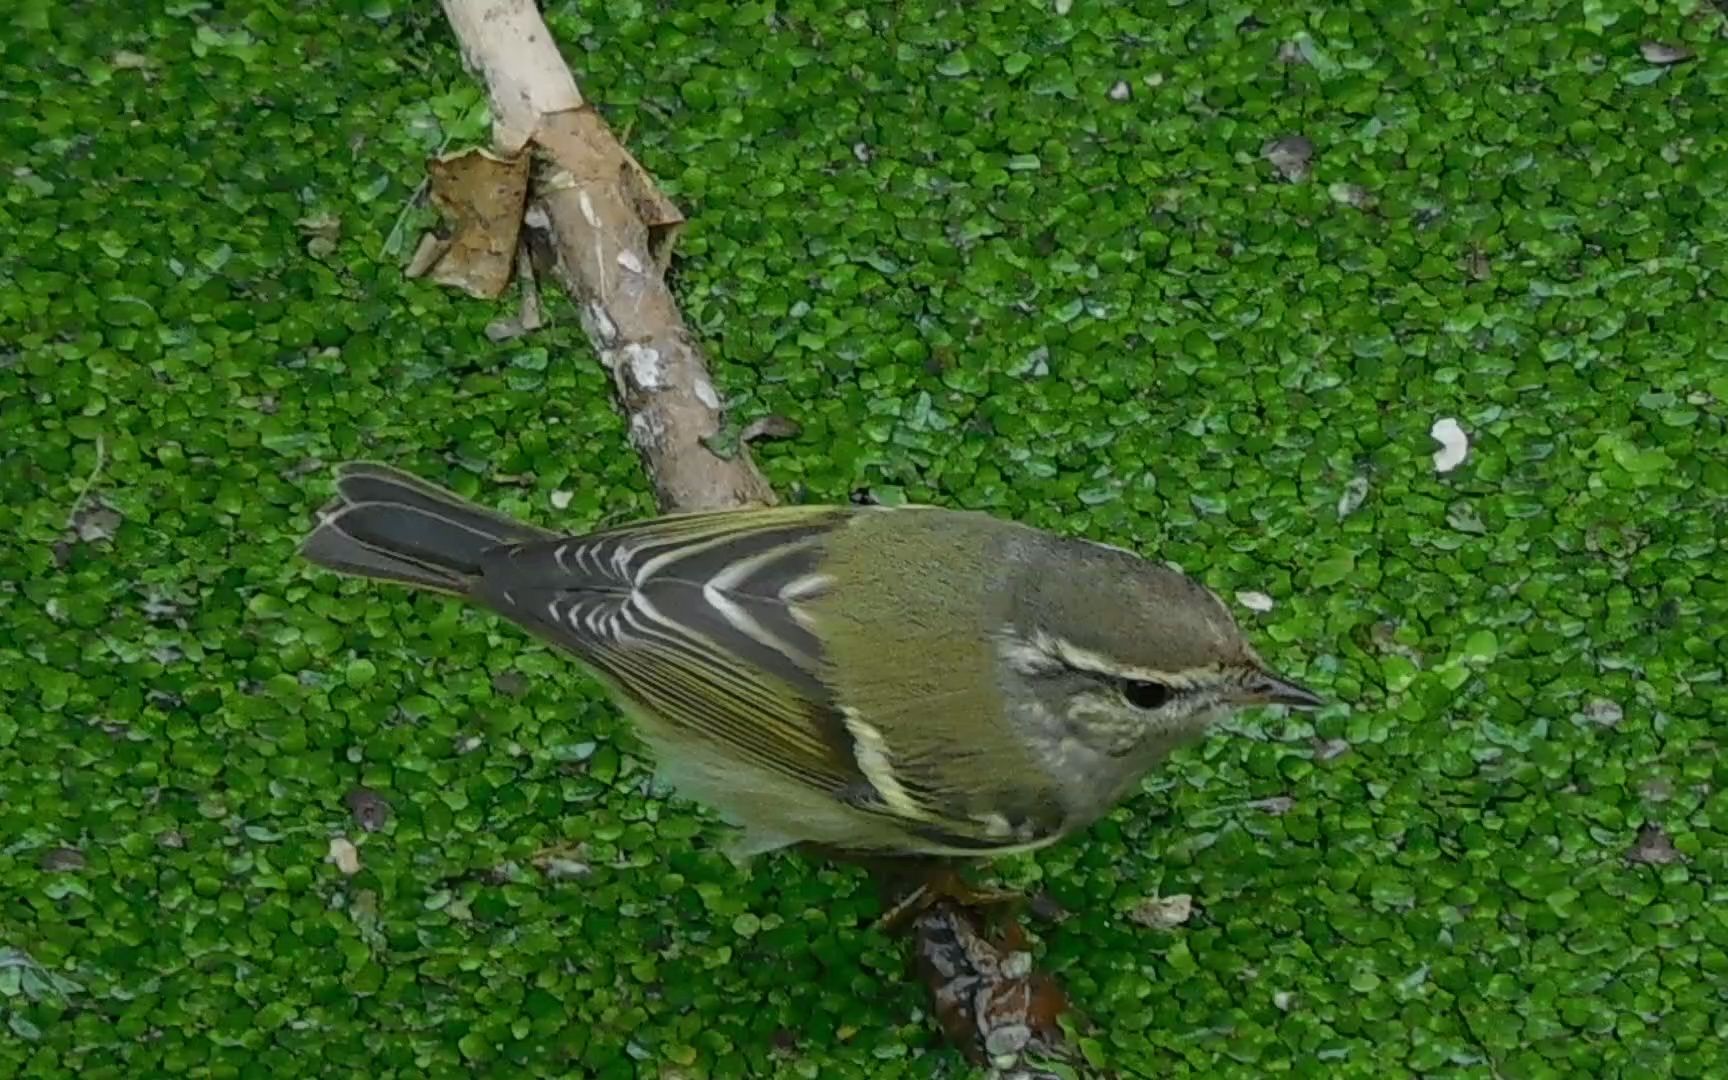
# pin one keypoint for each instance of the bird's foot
(942, 883)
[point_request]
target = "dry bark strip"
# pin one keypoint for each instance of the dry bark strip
(612, 232)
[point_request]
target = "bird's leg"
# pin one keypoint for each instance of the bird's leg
(982, 986)
(912, 884)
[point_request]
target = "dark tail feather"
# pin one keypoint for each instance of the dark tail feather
(385, 523)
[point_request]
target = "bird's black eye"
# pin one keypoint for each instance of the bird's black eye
(1144, 694)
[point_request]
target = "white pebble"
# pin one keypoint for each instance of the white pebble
(1254, 601)
(628, 260)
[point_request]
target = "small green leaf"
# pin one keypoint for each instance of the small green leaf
(696, 95)
(603, 766)
(1481, 647)
(474, 1046)
(1332, 569)
(955, 64)
(274, 1014)
(360, 673)
(1398, 672)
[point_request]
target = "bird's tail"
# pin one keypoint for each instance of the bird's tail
(387, 524)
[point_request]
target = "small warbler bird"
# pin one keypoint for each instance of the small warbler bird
(907, 681)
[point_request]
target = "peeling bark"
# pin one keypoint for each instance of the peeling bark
(612, 233)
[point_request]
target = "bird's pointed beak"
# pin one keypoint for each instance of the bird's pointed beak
(1268, 688)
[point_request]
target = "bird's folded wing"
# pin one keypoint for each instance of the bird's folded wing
(705, 621)
(699, 619)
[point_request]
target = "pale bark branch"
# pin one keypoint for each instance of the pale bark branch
(612, 232)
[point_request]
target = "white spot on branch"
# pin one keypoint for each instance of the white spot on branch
(645, 431)
(588, 214)
(646, 369)
(602, 325)
(628, 260)
(705, 393)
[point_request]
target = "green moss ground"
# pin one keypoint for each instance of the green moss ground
(932, 237)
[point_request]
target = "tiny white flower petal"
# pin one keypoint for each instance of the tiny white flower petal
(1163, 912)
(1454, 444)
(561, 499)
(1254, 601)
(1605, 712)
(1354, 492)
(345, 855)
